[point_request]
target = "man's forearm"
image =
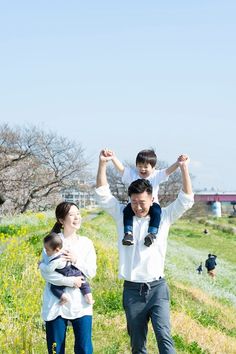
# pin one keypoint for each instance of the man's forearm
(186, 181)
(101, 174)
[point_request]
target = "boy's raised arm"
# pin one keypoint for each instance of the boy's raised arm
(172, 168)
(118, 164)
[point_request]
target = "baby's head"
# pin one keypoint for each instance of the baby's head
(145, 162)
(52, 243)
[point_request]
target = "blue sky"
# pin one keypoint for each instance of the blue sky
(127, 75)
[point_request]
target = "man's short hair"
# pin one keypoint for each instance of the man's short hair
(53, 240)
(139, 186)
(147, 156)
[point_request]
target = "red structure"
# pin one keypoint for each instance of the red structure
(215, 197)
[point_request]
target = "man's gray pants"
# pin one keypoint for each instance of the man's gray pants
(144, 301)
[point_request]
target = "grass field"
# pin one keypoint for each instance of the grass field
(203, 312)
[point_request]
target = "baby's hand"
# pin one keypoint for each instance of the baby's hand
(64, 299)
(69, 256)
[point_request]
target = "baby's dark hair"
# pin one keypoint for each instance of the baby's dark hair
(53, 240)
(147, 156)
(139, 186)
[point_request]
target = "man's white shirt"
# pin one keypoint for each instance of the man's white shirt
(139, 263)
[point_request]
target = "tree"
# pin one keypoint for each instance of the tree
(35, 165)
(2, 199)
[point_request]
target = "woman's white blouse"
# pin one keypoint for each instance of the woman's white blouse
(77, 306)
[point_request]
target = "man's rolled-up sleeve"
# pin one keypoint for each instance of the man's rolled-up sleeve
(176, 209)
(107, 201)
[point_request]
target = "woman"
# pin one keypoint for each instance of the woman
(80, 251)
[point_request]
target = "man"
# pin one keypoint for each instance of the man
(146, 293)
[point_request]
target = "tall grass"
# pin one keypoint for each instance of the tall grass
(181, 264)
(203, 312)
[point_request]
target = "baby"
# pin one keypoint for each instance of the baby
(53, 247)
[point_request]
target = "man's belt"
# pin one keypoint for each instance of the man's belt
(135, 285)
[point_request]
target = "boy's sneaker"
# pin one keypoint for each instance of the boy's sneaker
(149, 239)
(128, 239)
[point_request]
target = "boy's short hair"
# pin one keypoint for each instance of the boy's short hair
(53, 240)
(147, 156)
(139, 186)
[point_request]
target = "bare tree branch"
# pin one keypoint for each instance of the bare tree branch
(36, 165)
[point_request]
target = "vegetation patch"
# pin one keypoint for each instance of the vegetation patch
(203, 312)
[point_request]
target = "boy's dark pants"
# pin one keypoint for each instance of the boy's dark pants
(155, 217)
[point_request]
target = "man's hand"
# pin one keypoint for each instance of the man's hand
(106, 155)
(183, 160)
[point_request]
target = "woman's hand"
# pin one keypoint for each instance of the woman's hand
(69, 256)
(78, 281)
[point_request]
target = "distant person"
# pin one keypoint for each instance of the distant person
(146, 161)
(210, 265)
(145, 290)
(199, 268)
(53, 246)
